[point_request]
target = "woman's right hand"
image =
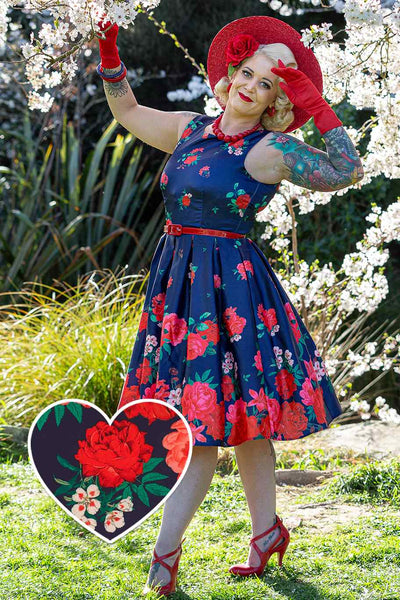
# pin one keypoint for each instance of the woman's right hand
(108, 46)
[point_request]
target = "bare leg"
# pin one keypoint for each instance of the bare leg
(256, 462)
(180, 508)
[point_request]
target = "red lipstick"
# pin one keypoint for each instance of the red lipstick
(245, 98)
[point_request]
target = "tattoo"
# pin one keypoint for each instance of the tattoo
(118, 89)
(316, 170)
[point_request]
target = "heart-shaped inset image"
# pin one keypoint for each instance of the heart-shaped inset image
(110, 475)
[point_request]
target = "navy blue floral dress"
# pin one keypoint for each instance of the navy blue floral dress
(218, 337)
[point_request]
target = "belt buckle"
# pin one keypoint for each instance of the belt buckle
(176, 228)
(173, 228)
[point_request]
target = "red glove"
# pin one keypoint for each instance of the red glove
(302, 92)
(108, 48)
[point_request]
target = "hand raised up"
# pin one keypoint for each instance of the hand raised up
(302, 93)
(108, 45)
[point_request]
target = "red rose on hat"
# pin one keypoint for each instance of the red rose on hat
(240, 47)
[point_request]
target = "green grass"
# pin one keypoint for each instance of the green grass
(46, 554)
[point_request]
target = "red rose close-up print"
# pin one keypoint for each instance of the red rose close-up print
(110, 475)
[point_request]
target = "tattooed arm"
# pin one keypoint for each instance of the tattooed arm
(158, 128)
(314, 169)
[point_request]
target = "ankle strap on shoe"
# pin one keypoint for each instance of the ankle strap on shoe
(158, 558)
(260, 535)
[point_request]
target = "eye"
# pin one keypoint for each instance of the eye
(245, 73)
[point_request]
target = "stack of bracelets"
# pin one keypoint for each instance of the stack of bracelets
(112, 78)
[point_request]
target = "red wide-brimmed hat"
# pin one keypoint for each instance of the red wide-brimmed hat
(266, 30)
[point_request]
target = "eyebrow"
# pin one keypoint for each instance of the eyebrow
(261, 77)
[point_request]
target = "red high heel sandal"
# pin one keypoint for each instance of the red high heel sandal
(170, 587)
(278, 545)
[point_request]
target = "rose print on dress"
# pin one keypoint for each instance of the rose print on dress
(163, 180)
(205, 171)
(189, 159)
(174, 330)
(184, 200)
(233, 323)
(268, 320)
(243, 268)
(110, 475)
(239, 200)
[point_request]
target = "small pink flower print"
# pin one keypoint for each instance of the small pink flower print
(233, 323)
(170, 280)
(227, 363)
(89, 522)
(113, 520)
(126, 504)
(86, 501)
(174, 329)
(150, 344)
(320, 369)
(235, 147)
(217, 281)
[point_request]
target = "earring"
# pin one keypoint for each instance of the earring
(229, 87)
(271, 110)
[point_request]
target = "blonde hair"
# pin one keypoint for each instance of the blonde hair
(284, 115)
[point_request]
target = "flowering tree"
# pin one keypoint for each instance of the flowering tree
(363, 69)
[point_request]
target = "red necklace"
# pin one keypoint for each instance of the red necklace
(230, 138)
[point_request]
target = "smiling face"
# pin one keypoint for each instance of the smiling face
(254, 87)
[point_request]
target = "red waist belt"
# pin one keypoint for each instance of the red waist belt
(177, 229)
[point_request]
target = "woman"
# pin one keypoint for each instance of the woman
(219, 337)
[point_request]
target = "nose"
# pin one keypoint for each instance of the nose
(250, 85)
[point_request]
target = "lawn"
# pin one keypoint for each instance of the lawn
(345, 545)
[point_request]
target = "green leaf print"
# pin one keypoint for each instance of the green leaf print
(43, 419)
(76, 409)
(64, 463)
(59, 411)
(151, 464)
(157, 489)
(153, 477)
(143, 495)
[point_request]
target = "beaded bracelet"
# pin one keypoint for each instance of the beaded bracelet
(112, 78)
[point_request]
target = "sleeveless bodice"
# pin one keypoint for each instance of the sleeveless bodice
(205, 182)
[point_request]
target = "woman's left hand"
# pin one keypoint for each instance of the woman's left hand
(302, 93)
